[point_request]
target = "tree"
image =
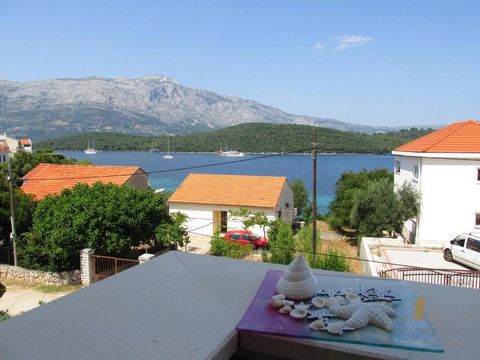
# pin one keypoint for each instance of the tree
(172, 233)
(379, 208)
(300, 196)
(346, 190)
(111, 219)
(250, 218)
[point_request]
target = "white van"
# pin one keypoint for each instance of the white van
(465, 249)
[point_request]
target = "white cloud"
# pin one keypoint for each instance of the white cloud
(349, 41)
(318, 46)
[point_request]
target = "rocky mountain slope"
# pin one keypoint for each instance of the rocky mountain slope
(152, 105)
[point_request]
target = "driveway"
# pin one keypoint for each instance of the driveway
(199, 244)
(18, 299)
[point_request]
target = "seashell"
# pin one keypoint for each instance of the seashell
(334, 328)
(288, 303)
(303, 306)
(358, 320)
(340, 300)
(285, 310)
(352, 297)
(297, 282)
(317, 325)
(276, 303)
(278, 297)
(346, 291)
(319, 302)
(298, 313)
(380, 319)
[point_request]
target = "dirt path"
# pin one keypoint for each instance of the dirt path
(19, 297)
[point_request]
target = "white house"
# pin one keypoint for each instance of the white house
(4, 151)
(12, 143)
(445, 167)
(207, 198)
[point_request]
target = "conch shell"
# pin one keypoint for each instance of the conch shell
(297, 282)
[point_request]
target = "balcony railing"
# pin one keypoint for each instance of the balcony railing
(463, 278)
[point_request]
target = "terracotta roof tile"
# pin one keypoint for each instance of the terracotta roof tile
(25, 141)
(47, 179)
(463, 137)
(235, 190)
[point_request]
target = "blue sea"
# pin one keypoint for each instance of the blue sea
(168, 174)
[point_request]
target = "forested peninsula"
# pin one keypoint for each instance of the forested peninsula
(252, 138)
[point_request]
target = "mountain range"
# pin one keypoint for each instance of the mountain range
(151, 105)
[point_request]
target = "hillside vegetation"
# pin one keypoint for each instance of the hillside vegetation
(252, 137)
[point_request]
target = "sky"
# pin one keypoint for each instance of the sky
(371, 62)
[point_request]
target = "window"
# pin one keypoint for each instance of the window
(415, 172)
(477, 220)
(459, 240)
(473, 245)
(478, 174)
(247, 237)
(234, 236)
(287, 205)
(397, 166)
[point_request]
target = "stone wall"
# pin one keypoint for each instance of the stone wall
(40, 277)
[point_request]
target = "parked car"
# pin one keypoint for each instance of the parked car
(246, 237)
(465, 249)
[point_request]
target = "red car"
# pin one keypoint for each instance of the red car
(245, 237)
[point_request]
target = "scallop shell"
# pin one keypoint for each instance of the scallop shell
(278, 297)
(340, 300)
(288, 303)
(297, 282)
(335, 328)
(351, 297)
(317, 325)
(276, 303)
(298, 313)
(285, 309)
(319, 302)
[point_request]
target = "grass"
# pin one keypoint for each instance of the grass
(4, 315)
(53, 289)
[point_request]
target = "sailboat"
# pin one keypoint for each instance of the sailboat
(90, 150)
(168, 155)
(154, 149)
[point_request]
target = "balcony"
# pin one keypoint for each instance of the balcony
(184, 306)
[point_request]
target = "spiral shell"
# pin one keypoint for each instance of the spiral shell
(297, 282)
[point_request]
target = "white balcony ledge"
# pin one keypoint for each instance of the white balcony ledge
(183, 306)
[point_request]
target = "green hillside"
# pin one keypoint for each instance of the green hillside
(253, 137)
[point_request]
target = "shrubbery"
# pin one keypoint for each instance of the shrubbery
(333, 260)
(219, 246)
(108, 218)
(281, 244)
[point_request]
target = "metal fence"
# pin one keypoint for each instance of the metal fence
(106, 266)
(463, 278)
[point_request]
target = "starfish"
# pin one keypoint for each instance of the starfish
(358, 315)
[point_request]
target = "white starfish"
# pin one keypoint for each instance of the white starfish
(358, 315)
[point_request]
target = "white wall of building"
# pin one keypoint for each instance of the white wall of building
(201, 217)
(450, 196)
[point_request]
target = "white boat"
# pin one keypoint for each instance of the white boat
(231, 153)
(168, 155)
(90, 150)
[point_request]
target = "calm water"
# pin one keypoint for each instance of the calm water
(168, 174)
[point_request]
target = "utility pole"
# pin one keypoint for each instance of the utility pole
(13, 234)
(314, 193)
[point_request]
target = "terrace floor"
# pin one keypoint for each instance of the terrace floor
(186, 306)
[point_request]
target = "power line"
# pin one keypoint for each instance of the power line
(170, 170)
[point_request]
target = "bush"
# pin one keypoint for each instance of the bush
(111, 219)
(219, 246)
(281, 243)
(4, 315)
(333, 260)
(304, 242)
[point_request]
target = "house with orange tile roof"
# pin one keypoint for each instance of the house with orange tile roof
(49, 179)
(26, 145)
(207, 199)
(444, 166)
